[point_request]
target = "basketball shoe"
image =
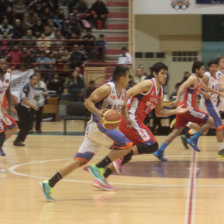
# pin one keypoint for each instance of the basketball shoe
(98, 173)
(193, 143)
(117, 165)
(106, 187)
(184, 141)
(160, 156)
(47, 190)
(2, 153)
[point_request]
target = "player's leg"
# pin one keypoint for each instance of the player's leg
(203, 118)
(85, 153)
(11, 126)
(160, 152)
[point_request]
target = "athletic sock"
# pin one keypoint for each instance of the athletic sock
(2, 139)
(107, 172)
(221, 146)
(55, 179)
(162, 147)
(196, 135)
(127, 158)
(104, 163)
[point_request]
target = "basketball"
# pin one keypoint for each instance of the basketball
(111, 119)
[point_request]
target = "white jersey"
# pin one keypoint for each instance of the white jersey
(213, 83)
(4, 84)
(113, 101)
(220, 77)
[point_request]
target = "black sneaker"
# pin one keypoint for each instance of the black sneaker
(18, 143)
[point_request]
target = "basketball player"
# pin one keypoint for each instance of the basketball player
(109, 96)
(189, 92)
(210, 102)
(144, 97)
(6, 121)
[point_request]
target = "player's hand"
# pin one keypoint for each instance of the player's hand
(174, 103)
(181, 110)
(206, 96)
(35, 108)
(100, 114)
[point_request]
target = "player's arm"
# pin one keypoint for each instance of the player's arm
(96, 96)
(205, 80)
(140, 88)
(160, 111)
(205, 87)
(189, 82)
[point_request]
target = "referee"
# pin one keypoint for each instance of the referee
(23, 110)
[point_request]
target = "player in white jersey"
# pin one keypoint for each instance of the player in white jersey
(109, 96)
(220, 76)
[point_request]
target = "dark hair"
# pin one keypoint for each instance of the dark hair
(212, 62)
(197, 65)
(219, 57)
(34, 75)
(118, 72)
(157, 67)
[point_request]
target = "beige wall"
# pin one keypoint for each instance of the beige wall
(168, 33)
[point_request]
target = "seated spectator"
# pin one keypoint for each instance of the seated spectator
(5, 45)
(60, 38)
(19, 30)
(19, 9)
(3, 7)
(67, 29)
(28, 43)
(88, 43)
(100, 49)
(38, 28)
(28, 58)
(74, 40)
(99, 13)
(139, 75)
(49, 32)
(76, 57)
(30, 18)
(124, 58)
(143, 69)
(43, 43)
(65, 60)
(9, 14)
(46, 14)
(56, 84)
(74, 86)
(42, 61)
(15, 57)
(6, 27)
(75, 21)
(81, 6)
(59, 18)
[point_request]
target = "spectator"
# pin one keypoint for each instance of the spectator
(3, 7)
(23, 110)
(15, 57)
(40, 91)
(67, 29)
(88, 43)
(76, 57)
(29, 37)
(42, 61)
(19, 30)
(49, 32)
(75, 21)
(139, 75)
(99, 13)
(5, 45)
(38, 28)
(19, 9)
(28, 59)
(9, 14)
(143, 69)
(124, 58)
(131, 82)
(101, 47)
(30, 18)
(60, 39)
(46, 15)
(6, 27)
(74, 86)
(81, 6)
(59, 17)
(56, 84)
(43, 43)
(74, 40)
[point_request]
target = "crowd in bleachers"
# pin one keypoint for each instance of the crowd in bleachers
(55, 35)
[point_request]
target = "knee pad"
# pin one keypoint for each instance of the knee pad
(147, 149)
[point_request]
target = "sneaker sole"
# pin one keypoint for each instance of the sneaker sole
(42, 188)
(116, 168)
(103, 188)
(102, 182)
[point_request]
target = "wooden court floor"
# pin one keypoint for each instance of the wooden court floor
(188, 189)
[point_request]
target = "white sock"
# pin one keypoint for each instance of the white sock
(221, 146)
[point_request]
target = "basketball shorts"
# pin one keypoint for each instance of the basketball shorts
(96, 136)
(211, 108)
(194, 115)
(138, 133)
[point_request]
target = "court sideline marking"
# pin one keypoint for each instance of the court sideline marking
(189, 217)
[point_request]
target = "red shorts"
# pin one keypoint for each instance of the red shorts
(195, 116)
(139, 133)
